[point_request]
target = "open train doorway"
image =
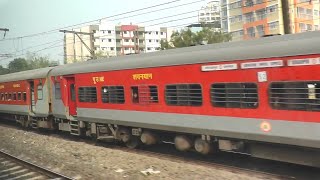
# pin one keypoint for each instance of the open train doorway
(32, 96)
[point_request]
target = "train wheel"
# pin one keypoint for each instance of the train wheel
(183, 143)
(133, 142)
(203, 147)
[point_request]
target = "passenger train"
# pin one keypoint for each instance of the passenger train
(260, 97)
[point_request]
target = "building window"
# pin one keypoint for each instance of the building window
(112, 48)
(234, 95)
(110, 40)
(183, 95)
(260, 30)
(40, 92)
(144, 94)
(126, 40)
(235, 5)
(304, 96)
(109, 32)
(87, 94)
(125, 32)
(113, 94)
(126, 49)
(148, 49)
(251, 32)
(150, 40)
(249, 3)
(309, 27)
(249, 17)
(57, 91)
(273, 25)
(161, 33)
(272, 9)
(302, 27)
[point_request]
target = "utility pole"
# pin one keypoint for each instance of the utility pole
(5, 31)
(286, 16)
(91, 50)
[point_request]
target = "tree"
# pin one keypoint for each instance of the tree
(32, 61)
(186, 38)
(36, 62)
(3, 70)
(19, 64)
(164, 44)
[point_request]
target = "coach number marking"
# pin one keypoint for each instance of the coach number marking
(141, 76)
(16, 85)
(97, 79)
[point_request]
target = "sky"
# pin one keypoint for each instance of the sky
(25, 17)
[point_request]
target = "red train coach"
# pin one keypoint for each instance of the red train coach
(25, 97)
(258, 97)
(239, 96)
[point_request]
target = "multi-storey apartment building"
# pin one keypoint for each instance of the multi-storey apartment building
(74, 49)
(210, 13)
(247, 19)
(115, 40)
(305, 15)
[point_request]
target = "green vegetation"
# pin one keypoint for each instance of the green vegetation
(32, 61)
(185, 38)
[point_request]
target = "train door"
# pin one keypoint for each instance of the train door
(71, 94)
(32, 97)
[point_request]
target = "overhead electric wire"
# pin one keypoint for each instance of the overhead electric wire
(179, 25)
(120, 14)
(167, 17)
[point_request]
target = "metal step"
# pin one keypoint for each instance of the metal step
(74, 127)
(34, 123)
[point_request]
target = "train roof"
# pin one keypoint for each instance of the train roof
(274, 46)
(26, 75)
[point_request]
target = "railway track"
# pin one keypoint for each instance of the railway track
(14, 168)
(265, 169)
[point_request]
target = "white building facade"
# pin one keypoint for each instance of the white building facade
(210, 13)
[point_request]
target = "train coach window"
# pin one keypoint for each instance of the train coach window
(19, 96)
(6, 97)
(14, 96)
(144, 94)
(87, 94)
(24, 97)
(40, 92)
(2, 97)
(183, 95)
(113, 94)
(9, 97)
(234, 95)
(304, 96)
(57, 90)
